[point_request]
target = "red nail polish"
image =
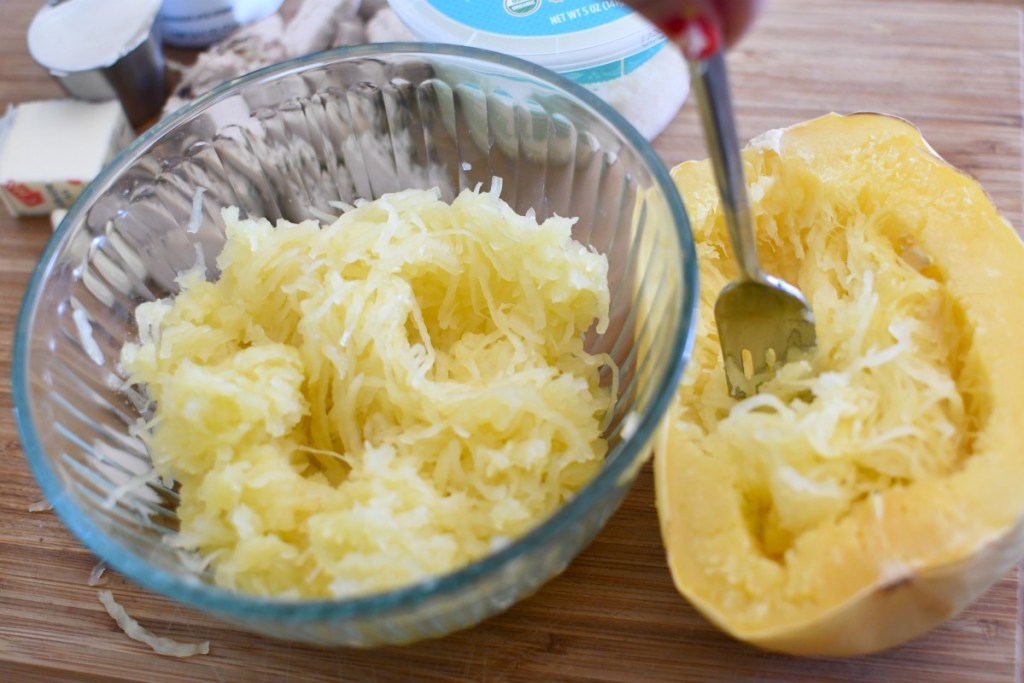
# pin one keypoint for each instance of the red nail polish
(672, 27)
(698, 37)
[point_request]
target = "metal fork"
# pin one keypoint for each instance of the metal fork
(762, 321)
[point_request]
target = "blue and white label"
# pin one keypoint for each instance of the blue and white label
(532, 17)
(612, 70)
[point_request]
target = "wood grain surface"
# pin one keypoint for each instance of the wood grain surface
(953, 68)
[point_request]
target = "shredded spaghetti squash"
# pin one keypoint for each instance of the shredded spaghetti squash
(356, 406)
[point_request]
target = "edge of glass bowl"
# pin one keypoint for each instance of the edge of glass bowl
(223, 601)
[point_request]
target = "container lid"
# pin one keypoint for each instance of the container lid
(561, 35)
(78, 35)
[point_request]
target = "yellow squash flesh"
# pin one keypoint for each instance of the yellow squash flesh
(355, 407)
(865, 497)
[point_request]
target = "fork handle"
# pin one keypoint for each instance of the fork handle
(711, 86)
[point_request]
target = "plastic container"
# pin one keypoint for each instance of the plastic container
(602, 45)
(199, 23)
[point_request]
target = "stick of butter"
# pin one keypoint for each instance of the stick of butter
(50, 150)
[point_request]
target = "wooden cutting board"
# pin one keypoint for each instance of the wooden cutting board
(952, 68)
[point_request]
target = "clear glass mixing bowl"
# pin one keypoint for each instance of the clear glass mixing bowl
(283, 142)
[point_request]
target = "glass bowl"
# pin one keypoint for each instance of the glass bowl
(283, 143)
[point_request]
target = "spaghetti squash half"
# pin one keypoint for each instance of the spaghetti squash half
(868, 495)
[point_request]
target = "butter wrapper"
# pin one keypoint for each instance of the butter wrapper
(50, 150)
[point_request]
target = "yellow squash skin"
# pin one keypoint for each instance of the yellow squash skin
(900, 558)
